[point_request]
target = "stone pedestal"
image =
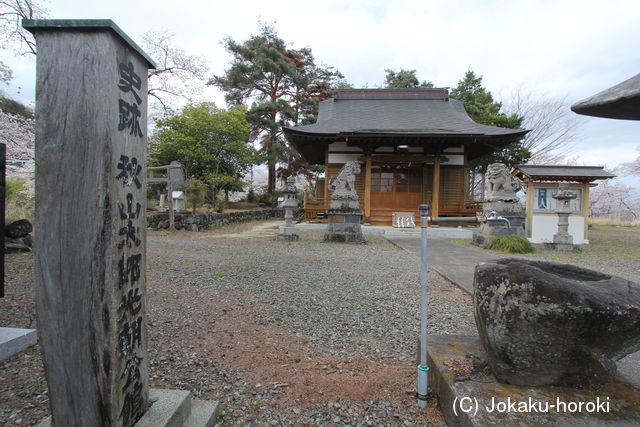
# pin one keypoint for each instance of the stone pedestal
(562, 240)
(288, 231)
(511, 211)
(344, 226)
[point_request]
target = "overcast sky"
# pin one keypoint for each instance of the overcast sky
(562, 48)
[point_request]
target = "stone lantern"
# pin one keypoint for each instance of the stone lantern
(288, 231)
(562, 240)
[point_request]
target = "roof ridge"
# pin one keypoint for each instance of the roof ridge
(391, 93)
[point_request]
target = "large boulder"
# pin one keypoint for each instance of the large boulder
(545, 323)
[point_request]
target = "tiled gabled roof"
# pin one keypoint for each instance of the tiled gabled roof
(426, 115)
(562, 173)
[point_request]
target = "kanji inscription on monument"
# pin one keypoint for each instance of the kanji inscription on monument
(90, 292)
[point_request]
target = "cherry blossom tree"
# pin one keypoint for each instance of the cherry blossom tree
(632, 167)
(18, 134)
(615, 200)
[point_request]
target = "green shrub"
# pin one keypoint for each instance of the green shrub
(266, 198)
(196, 191)
(221, 206)
(512, 244)
(251, 196)
(18, 203)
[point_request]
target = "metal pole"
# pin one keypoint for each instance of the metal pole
(423, 369)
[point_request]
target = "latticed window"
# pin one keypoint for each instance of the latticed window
(396, 178)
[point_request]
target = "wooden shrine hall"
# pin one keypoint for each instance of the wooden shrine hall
(414, 144)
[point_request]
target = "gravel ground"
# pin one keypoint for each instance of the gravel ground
(280, 332)
(348, 299)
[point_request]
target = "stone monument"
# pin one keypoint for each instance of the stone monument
(504, 213)
(91, 126)
(550, 324)
(176, 175)
(344, 216)
(288, 231)
(562, 240)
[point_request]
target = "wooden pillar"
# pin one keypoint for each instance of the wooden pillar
(435, 193)
(585, 208)
(529, 206)
(91, 126)
(367, 189)
(326, 181)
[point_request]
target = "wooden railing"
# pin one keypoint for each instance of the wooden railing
(315, 207)
(460, 208)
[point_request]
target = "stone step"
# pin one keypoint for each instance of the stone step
(203, 413)
(169, 408)
(172, 408)
(14, 340)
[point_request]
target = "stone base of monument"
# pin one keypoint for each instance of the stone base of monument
(469, 394)
(14, 340)
(288, 233)
(498, 227)
(562, 243)
(344, 226)
(173, 408)
(562, 247)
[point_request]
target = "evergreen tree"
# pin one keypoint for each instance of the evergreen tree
(404, 79)
(284, 87)
(482, 108)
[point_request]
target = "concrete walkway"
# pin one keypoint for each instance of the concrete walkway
(454, 262)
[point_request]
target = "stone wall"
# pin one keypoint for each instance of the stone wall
(198, 222)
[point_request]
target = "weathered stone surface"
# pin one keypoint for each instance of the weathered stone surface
(502, 202)
(19, 228)
(562, 240)
(18, 244)
(288, 231)
(176, 175)
(481, 240)
(344, 227)
(457, 376)
(199, 222)
(502, 186)
(545, 323)
(344, 215)
(343, 187)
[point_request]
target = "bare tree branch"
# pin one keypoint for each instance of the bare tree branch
(179, 76)
(553, 127)
(12, 12)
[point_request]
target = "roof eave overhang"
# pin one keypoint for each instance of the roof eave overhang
(312, 146)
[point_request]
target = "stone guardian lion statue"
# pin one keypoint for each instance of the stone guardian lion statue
(502, 186)
(343, 185)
